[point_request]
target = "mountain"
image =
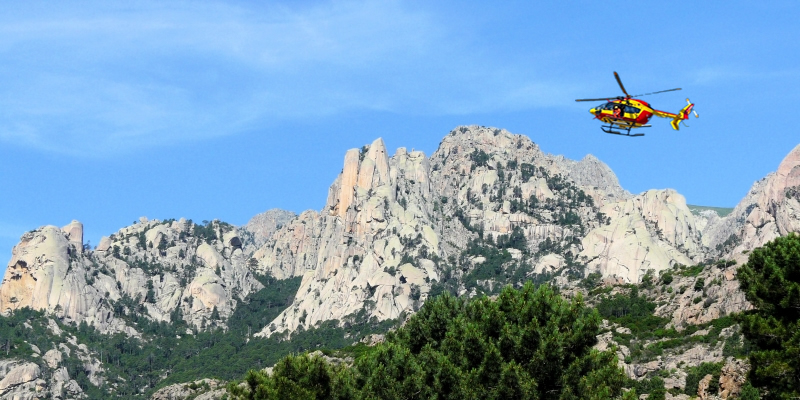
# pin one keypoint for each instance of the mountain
(487, 209)
(395, 228)
(770, 209)
(163, 270)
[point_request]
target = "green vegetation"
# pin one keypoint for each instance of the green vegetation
(654, 387)
(771, 282)
(693, 270)
(479, 158)
(721, 211)
(695, 374)
(174, 347)
(530, 343)
(631, 310)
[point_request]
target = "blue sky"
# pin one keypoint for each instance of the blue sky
(114, 110)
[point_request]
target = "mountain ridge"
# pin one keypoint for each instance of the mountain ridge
(487, 209)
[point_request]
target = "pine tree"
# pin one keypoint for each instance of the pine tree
(771, 282)
(529, 343)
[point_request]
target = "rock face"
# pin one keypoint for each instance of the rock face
(261, 227)
(390, 222)
(733, 376)
(392, 225)
(350, 255)
(47, 376)
(702, 387)
(203, 389)
(20, 380)
(174, 269)
(771, 209)
(651, 231)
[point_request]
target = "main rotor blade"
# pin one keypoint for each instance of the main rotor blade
(660, 91)
(600, 99)
(616, 75)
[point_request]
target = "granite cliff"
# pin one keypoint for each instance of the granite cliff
(395, 227)
(166, 270)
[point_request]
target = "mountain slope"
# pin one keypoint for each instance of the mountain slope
(395, 228)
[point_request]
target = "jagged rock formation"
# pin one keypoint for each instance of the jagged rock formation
(391, 225)
(351, 254)
(171, 269)
(261, 227)
(653, 230)
(770, 209)
(394, 229)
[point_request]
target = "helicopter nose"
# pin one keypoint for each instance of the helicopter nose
(593, 111)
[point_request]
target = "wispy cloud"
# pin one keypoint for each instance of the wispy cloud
(118, 77)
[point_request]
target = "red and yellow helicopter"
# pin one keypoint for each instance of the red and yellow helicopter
(626, 113)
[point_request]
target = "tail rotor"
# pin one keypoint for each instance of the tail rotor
(693, 110)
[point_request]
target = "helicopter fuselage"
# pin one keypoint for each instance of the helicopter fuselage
(624, 113)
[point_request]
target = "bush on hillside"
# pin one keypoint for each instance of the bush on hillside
(529, 343)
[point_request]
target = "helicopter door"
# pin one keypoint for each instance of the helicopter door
(632, 110)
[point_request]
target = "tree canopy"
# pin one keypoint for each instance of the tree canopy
(771, 282)
(528, 344)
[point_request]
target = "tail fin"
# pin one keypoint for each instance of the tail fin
(683, 115)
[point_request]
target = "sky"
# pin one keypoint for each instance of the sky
(110, 111)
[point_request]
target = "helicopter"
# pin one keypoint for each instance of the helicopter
(624, 113)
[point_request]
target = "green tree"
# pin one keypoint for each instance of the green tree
(749, 392)
(529, 343)
(296, 377)
(771, 282)
(150, 297)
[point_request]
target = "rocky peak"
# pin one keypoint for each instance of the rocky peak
(594, 175)
(376, 244)
(351, 254)
(74, 232)
(261, 227)
(770, 209)
(165, 270)
(363, 169)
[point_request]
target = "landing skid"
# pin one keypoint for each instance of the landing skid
(625, 131)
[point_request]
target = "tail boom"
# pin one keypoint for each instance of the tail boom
(683, 114)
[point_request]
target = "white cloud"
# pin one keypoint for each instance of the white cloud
(119, 77)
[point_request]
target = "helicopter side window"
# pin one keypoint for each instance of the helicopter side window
(631, 110)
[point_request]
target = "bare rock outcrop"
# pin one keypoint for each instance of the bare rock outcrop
(732, 377)
(651, 231)
(594, 175)
(350, 254)
(173, 269)
(202, 389)
(21, 380)
(381, 209)
(702, 387)
(261, 227)
(770, 209)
